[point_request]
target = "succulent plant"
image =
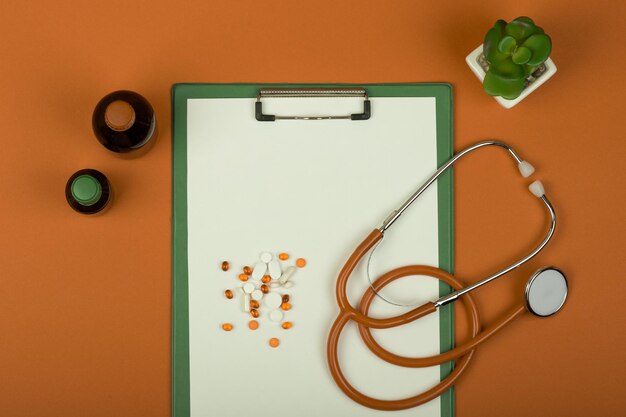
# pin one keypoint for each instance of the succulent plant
(514, 51)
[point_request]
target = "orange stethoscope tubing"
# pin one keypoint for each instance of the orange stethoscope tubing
(461, 354)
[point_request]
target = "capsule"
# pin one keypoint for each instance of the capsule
(254, 313)
(285, 298)
(243, 277)
(266, 279)
(247, 270)
(274, 342)
(287, 325)
(225, 266)
(285, 306)
(300, 262)
(254, 304)
(253, 324)
(229, 294)
(283, 256)
(227, 327)
(265, 289)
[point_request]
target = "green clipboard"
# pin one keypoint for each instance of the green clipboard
(180, 301)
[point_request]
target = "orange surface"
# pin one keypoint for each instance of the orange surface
(85, 301)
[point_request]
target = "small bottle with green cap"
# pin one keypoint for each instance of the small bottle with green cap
(88, 191)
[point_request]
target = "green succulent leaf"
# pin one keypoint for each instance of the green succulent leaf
(492, 38)
(521, 55)
(508, 69)
(540, 45)
(495, 85)
(521, 28)
(507, 44)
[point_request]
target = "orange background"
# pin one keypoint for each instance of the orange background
(85, 302)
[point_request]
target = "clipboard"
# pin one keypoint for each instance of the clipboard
(244, 151)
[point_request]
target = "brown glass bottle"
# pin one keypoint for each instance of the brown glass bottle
(124, 122)
(88, 191)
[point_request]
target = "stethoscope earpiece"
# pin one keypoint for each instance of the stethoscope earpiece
(546, 291)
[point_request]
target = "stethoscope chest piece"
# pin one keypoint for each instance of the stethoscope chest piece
(546, 291)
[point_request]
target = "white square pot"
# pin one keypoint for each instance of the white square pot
(472, 61)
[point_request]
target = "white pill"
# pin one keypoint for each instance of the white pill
(288, 284)
(259, 270)
(257, 295)
(287, 274)
(246, 303)
(248, 287)
(276, 315)
(275, 284)
(273, 300)
(266, 257)
(274, 268)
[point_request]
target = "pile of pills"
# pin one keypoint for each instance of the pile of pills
(264, 285)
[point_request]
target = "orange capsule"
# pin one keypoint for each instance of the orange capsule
(300, 262)
(287, 325)
(283, 256)
(266, 279)
(253, 324)
(229, 294)
(227, 327)
(247, 270)
(285, 306)
(285, 298)
(274, 342)
(243, 277)
(254, 304)
(254, 313)
(225, 266)
(265, 289)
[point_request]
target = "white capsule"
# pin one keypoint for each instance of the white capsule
(287, 274)
(266, 257)
(248, 287)
(257, 295)
(276, 315)
(274, 269)
(273, 300)
(259, 270)
(246, 303)
(275, 284)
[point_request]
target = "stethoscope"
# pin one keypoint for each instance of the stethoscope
(545, 294)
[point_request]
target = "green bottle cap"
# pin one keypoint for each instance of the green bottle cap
(86, 190)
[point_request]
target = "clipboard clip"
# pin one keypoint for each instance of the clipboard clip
(312, 92)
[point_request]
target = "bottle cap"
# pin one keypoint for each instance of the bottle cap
(119, 115)
(86, 190)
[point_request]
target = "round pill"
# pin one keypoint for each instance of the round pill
(255, 313)
(273, 300)
(247, 270)
(285, 306)
(225, 266)
(254, 304)
(229, 294)
(283, 256)
(227, 327)
(266, 257)
(265, 289)
(248, 288)
(243, 277)
(266, 279)
(274, 342)
(253, 324)
(276, 315)
(300, 262)
(257, 295)
(285, 298)
(287, 325)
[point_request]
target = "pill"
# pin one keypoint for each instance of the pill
(266, 257)
(225, 266)
(283, 256)
(253, 324)
(274, 342)
(275, 284)
(273, 300)
(254, 304)
(265, 289)
(276, 315)
(260, 268)
(285, 306)
(286, 325)
(257, 295)
(288, 284)
(255, 313)
(286, 298)
(229, 294)
(227, 327)
(266, 279)
(274, 269)
(248, 287)
(246, 303)
(300, 262)
(286, 276)
(247, 270)
(243, 277)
